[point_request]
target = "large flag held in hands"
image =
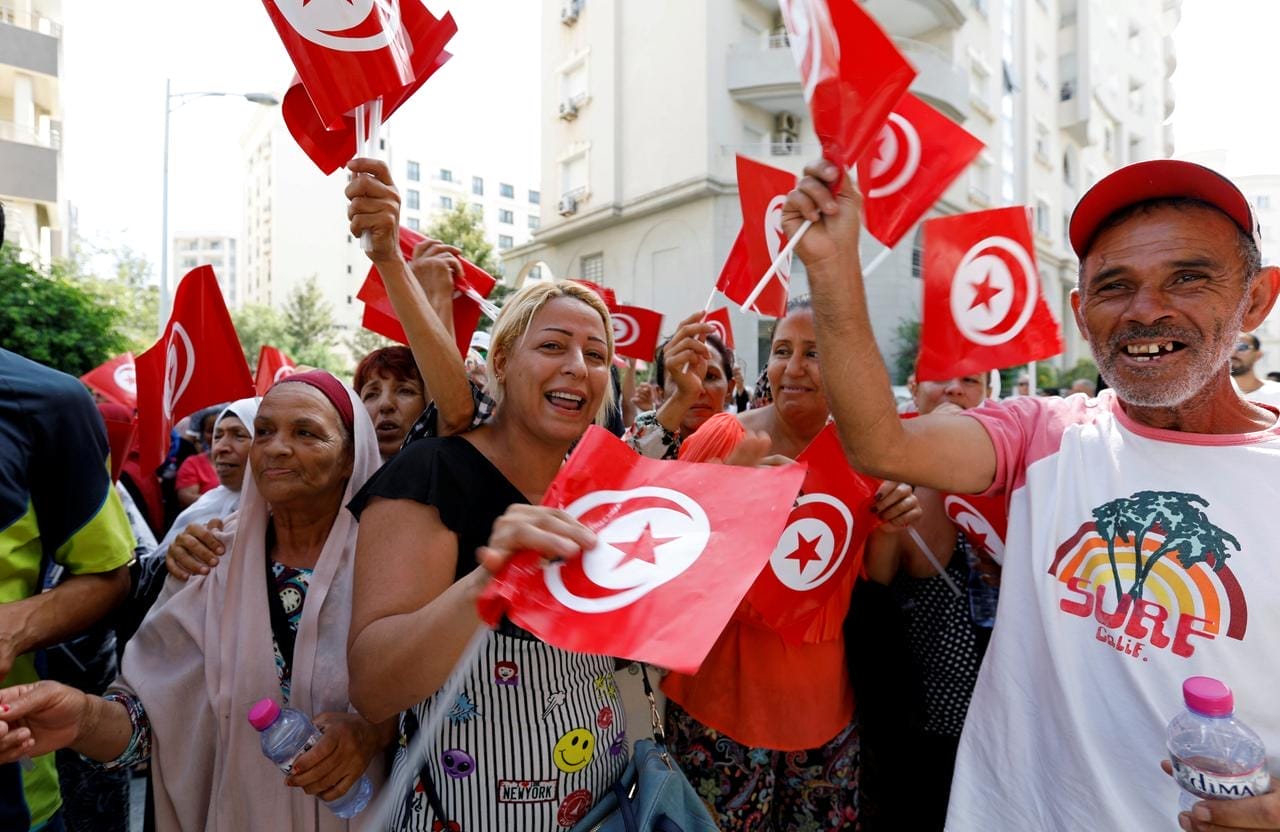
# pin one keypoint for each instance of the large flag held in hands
(820, 551)
(273, 365)
(116, 380)
(982, 302)
(636, 331)
(196, 363)
(679, 544)
(348, 53)
(762, 191)
(852, 74)
(915, 158)
(380, 317)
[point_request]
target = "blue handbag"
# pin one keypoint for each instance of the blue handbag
(652, 795)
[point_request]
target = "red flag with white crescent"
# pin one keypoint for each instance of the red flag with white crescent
(762, 191)
(719, 318)
(116, 380)
(819, 553)
(851, 73)
(983, 306)
(635, 331)
(983, 520)
(679, 544)
(380, 316)
(273, 365)
(606, 294)
(918, 153)
(347, 53)
(196, 363)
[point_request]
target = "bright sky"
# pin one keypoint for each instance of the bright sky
(1225, 83)
(481, 106)
(486, 98)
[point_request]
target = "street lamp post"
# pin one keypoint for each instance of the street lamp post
(261, 98)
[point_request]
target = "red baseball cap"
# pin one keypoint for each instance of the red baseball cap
(1158, 179)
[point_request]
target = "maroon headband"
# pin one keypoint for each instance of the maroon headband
(332, 389)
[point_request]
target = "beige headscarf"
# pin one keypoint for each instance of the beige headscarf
(200, 661)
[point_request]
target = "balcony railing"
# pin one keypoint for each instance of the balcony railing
(32, 21)
(24, 134)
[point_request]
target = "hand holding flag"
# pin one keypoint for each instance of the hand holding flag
(676, 546)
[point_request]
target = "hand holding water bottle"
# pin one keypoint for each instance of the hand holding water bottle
(1213, 755)
(345, 749)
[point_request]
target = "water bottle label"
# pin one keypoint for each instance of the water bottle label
(1213, 786)
(287, 765)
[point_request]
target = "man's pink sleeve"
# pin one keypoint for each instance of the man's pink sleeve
(1012, 424)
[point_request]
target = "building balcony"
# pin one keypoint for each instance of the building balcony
(28, 171)
(940, 82)
(1074, 109)
(28, 41)
(912, 18)
(761, 71)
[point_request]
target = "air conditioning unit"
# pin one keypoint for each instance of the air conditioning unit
(569, 12)
(568, 110)
(567, 206)
(786, 123)
(784, 144)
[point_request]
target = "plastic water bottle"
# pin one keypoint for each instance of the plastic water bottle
(1214, 755)
(287, 735)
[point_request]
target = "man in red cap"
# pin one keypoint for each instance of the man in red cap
(1136, 557)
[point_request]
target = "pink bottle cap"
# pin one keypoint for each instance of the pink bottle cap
(1207, 696)
(265, 712)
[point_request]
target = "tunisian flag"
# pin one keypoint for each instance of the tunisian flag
(196, 363)
(852, 73)
(762, 191)
(273, 365)
(635, 331)
(380, 316)
(679, 544)
(347, 53)
(982, 302)
(820, 551)
(719, 318)
(984, 521)
(915, 158)
(116, 380)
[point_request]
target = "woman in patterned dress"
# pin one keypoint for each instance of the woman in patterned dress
(536, 736)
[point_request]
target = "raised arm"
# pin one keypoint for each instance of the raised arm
(950, 453)
(422, 296)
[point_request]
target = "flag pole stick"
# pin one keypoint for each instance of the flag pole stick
(706, 307)
(367, 145)
(876, 261)
(933, 560)
(420, 748)
(777, 262)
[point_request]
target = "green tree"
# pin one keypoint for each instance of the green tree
(125, 287)
(256, 325)
(906, 340)
(462, 227)
(55, 320)
(309, 329)
(364, 341)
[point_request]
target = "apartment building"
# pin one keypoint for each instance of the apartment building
(31, 127)
(218, 251)
(646, 105)
(510, 210)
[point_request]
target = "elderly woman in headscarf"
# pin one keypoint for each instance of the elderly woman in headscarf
(204, 657)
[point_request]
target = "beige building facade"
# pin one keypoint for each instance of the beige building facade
(645, 106)
(31, 127)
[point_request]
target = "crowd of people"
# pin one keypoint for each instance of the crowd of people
(325, 546)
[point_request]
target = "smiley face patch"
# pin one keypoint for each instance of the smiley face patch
(574, 750)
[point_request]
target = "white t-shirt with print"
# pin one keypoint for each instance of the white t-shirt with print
(1066, 729)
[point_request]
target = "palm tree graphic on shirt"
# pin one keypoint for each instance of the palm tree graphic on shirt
(1176, 515)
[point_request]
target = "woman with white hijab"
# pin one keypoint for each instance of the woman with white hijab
(204, 657)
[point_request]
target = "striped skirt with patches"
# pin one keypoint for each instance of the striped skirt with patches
(536, 736)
